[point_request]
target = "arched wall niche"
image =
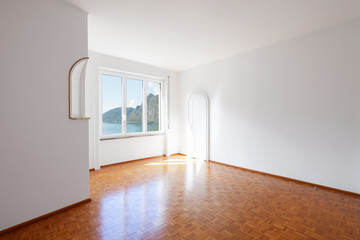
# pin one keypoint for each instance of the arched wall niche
(77, 90)
(192, 97)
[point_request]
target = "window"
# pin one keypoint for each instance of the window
(131, 105)
(134, 110)
(153, 104)
(111, 99)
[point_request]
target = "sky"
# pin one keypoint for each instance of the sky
(111, 88)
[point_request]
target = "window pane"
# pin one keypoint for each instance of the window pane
(153, 106)
(134, 98)
(111, 104)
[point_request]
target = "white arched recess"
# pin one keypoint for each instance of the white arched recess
(76, 80)
(190, 117)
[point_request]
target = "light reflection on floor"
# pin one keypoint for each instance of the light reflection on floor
(142, 204)
(137, 208)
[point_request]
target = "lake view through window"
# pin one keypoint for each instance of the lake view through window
(118, 91)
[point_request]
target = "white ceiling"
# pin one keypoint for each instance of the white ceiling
(182, 34)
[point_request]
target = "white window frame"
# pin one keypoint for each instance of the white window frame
(145, 78)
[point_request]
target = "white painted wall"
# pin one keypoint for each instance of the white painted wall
(120, 150)
(291, 109)
(43, 154)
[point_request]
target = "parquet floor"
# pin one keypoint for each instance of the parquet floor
(180, 198)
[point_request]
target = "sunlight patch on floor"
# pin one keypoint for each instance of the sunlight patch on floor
(177, 161)
(170, 163)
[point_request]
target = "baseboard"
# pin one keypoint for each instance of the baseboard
(20, 225)
(291, 179)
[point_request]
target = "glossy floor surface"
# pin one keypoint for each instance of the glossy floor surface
(180, 198)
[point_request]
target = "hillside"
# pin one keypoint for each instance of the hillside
(134, 115)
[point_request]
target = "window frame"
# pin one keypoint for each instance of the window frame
(145, 79)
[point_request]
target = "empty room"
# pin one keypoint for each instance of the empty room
(202, 119)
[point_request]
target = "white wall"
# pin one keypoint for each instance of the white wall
(120, 150)
(291, 109)
(43, 154)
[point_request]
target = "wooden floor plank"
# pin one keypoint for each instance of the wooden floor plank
(181, 198)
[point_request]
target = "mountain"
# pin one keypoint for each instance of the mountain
(152, 109)
(134, 115)
(113, 115)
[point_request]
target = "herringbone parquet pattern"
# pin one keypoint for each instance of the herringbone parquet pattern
(181, 198)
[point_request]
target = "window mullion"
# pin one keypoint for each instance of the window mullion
(144, 106)
(161, 107)
(101, 105)
(124, 107)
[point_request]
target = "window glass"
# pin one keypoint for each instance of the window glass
(134, 110)
(153, 106)
(111, 104)
(122, 93)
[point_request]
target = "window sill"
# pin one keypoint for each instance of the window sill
(132, 136)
